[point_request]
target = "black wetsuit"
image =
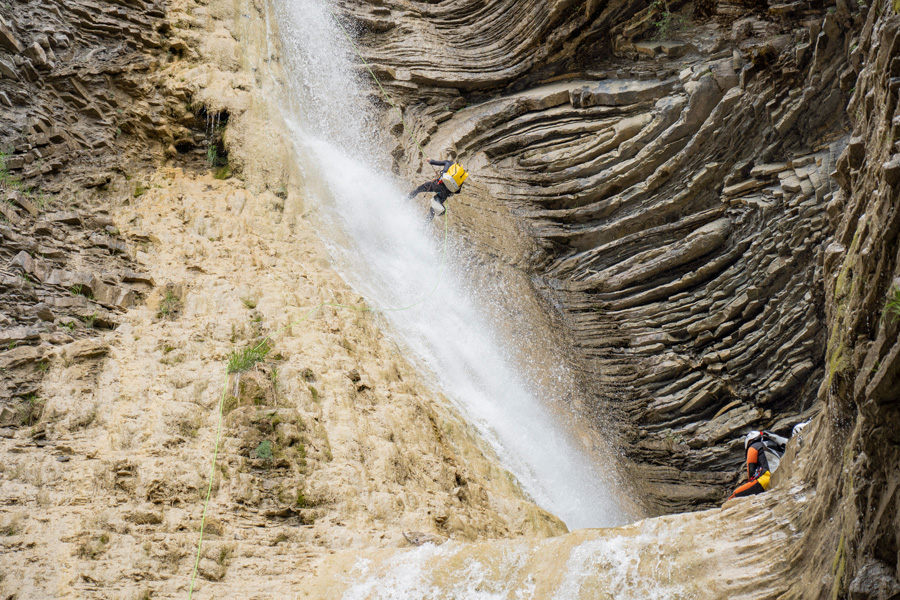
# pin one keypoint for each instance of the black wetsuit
(441, 192)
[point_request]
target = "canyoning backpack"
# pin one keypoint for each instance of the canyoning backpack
(454, 177)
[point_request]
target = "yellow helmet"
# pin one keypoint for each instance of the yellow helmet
(454, 177)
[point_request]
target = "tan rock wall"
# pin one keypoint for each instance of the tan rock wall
(332, 442)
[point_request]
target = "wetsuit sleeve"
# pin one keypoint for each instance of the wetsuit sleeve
(752, 461)
(444, 164)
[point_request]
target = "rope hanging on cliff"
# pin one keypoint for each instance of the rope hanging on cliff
(384, 93)
(307, 316)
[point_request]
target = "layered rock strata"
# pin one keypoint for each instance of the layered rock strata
(83, 113)
(673, 183)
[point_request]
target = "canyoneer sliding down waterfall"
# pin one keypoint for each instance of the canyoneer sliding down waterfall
(764, 451)
(449, 181)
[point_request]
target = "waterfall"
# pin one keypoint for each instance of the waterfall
(389, 254)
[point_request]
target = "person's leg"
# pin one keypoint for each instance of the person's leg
(437, 206)
(425, 187)
(748, 489)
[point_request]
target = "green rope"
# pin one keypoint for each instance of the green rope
(221, 405)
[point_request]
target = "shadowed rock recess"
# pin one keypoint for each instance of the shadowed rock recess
(671, 172)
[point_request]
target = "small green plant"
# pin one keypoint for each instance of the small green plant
(249, 303)
(6, 179)
(44, 366)
(892, 308)
(170, 305)
(212, 155)
(31, 410)
(243, 360)
(225, 553)
(667, 23)
(257, 318)
(90, 320)
(274, 420)
(70, 325)
(76, 290)
(10, 529)
(274, 377)
(92, 549)
(140, 190)
(223, 172)
(315, 393)
(264, 450)
(301, 500)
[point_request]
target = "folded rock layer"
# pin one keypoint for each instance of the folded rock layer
(673, 184)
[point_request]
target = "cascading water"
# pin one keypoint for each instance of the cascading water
(391, 257)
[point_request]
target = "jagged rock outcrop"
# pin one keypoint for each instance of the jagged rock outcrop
(853, 539)
(66, 276)
(673, 177)
(74, 78)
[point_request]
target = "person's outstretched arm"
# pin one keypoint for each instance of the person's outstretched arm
(444, 164)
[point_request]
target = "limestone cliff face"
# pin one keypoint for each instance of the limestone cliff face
(133, 266)
(670, 171)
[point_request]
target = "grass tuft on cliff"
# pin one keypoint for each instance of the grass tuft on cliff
(892, 308)
(243, 360)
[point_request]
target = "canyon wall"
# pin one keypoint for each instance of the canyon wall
(707, 195)
(669, 168)
(703, 197)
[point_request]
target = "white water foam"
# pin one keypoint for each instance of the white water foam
(630, 566)
(393, 259)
